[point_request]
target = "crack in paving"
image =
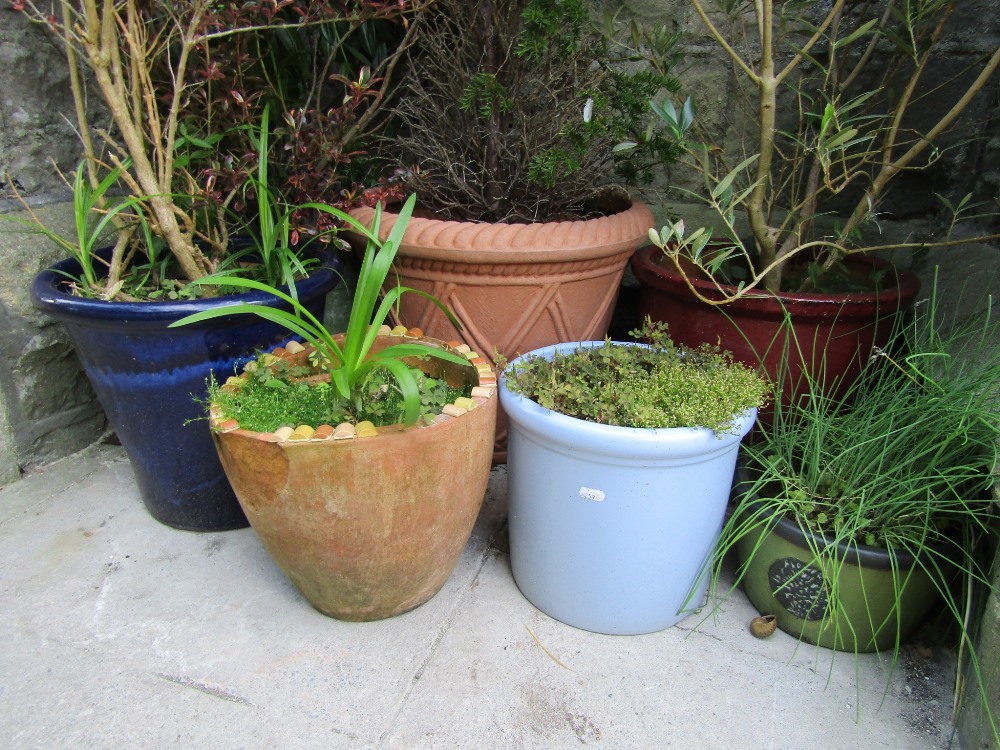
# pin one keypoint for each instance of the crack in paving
(203, 687)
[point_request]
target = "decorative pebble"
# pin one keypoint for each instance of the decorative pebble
(763, 626)
(416, 333)
(365, 429)
(228, 425)
(270, 359)
(482, 391)
(463, 348)
(294, 347)
(302, 432)
(323, 432)
(277, 352)
(471, 356)
(463, 402)
(384, 330)
(453, 411)
(283, 433)
(454, 344)
(344, 431)
(399, 330)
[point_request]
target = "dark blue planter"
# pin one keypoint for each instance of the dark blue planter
(147, 377)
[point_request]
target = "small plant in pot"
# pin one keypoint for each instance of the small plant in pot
(621, 461)
(829, 117)
(854, 516)
(361, 482)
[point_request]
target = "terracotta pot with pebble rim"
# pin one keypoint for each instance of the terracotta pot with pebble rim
(366, 522)
(515, 287)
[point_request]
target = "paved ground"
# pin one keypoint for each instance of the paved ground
(118, 632)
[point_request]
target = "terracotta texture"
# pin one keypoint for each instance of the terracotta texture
(367, 527)
(835, 333)
(515, 287)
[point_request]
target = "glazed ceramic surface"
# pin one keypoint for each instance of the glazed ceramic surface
(148, 376)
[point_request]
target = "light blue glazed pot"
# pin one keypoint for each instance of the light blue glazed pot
(611, 528)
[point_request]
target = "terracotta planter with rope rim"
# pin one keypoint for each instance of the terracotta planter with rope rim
(515, 287)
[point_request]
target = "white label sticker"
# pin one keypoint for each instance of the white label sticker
(589, 494)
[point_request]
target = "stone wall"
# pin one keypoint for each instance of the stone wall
(970, 164)
(47, 408)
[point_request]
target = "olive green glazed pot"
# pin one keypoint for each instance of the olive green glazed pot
(368, 527)
(856, 599)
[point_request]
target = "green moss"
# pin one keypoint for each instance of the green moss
(660, 385)
(270, 398)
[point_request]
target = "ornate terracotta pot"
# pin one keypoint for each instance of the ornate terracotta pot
(515, 287)
(367, 527)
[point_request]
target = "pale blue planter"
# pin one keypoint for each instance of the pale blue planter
(612, 528)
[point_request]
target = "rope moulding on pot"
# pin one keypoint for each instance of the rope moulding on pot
(516, 287)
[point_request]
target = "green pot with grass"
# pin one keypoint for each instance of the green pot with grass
(853, 517)
(848, 597)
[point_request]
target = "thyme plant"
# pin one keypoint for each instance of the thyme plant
(656, 385)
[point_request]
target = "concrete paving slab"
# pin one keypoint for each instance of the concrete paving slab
(119, 632)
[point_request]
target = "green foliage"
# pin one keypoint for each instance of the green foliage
(349, 364)
(513, 110)
(95, 211)
(903, 461)
(831, 92)
(486, 96)
(659, 385)
(906, 456)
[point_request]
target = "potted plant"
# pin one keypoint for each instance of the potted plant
(506, 135)
(854, 515)
(832, 122)
(621, 458)
(154, 182)
(363, 497)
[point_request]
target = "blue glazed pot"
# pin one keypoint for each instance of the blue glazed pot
(611, 528)
(148, 376)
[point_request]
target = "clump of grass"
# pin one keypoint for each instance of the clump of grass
(659, 385)
(273, 395)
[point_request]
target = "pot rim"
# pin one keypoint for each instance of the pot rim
(47, 295)
(637, 442)
(480, 373)
(649, 271)
(544, 242)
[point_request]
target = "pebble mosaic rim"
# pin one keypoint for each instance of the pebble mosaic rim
(481, 393)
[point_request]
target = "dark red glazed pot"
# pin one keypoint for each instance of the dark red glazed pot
(834, 334)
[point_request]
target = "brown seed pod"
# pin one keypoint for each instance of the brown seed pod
(763, 626)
